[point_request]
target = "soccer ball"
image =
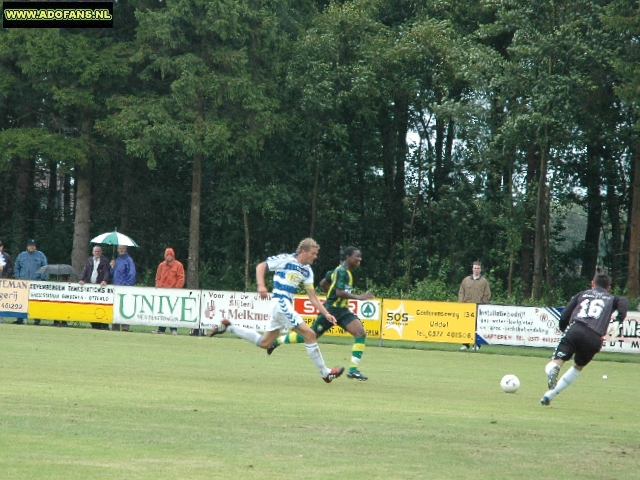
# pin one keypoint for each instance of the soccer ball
(510, 383)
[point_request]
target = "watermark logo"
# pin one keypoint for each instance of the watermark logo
(57, 14)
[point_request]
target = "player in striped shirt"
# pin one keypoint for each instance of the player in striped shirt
(291, 270)
(338, 285)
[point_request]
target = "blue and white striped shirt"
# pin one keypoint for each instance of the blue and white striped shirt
(289, 274)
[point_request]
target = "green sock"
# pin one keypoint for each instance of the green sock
(356, 353)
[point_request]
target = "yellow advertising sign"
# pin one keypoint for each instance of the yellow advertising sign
(71, 301)
(446, 322)
(75, 312)
(14, 298)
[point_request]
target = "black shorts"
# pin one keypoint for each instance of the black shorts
(344, 317)
(578, 340)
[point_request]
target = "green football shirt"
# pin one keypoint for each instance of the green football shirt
(339, 279)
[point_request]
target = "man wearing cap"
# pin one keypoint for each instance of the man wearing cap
(6, 267)
(26, 266)
(170, 274)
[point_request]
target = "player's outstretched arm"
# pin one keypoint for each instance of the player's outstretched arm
(324, 285)
(260, 271)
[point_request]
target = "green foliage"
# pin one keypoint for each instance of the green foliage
(411, 130)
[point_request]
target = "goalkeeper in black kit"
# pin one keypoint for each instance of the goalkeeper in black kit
(584, 321)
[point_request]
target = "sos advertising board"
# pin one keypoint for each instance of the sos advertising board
(14, 298)
(446, 322)
(367, 310)
(159, 307)
(245, 309)
(71, 302)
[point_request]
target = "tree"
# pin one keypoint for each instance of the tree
(623, 18)
(206, 66)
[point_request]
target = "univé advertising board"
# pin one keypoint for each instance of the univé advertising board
(159, 307)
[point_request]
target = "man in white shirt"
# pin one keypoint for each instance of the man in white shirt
(96, 270)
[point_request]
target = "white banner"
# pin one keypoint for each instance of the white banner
(71, 292)
(159, 307)
(525, 326)
(623, 336)
(246, 309)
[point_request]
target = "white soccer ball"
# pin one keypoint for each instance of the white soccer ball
(510, 383)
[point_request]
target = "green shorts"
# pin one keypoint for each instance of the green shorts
(344, 317)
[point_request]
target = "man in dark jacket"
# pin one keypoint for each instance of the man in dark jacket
(96, 270)
(7, 269)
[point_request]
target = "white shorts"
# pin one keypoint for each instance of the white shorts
(283, 315)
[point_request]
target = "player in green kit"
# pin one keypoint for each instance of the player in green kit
(338, 285)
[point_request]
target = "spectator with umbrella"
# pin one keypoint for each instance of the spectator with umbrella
(123, 270)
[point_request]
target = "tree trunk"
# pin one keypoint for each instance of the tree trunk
(400, 153)
(527, 232)
(538, 248)
(508, 180)
(66, 198)
(129, 168)
(613, 210)
(547, 246)
(634, 229)
(394, 124)
(594, 215)
(82, 220)
(194, 224)
(314, 199)
(413, 217)
(438, 174)
(23, 192)
(52, 197)
(247, 251)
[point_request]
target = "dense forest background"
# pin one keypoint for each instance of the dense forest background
(428, 133)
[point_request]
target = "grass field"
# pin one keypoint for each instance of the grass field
(86, 404)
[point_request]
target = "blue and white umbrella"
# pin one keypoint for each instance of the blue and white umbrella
(114, 238)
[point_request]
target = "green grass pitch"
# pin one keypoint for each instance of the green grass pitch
(86, 404)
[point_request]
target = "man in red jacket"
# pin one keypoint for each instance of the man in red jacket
(170, 274)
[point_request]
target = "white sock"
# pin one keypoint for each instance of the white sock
(549, 366)
(314, 352)
(566, 380)
(246, 333)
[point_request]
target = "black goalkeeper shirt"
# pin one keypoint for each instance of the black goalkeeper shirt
(594, 308)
